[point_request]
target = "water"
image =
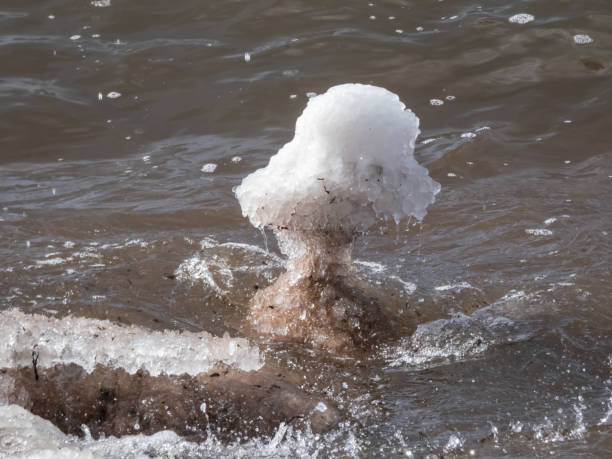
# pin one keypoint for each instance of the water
(501, 298)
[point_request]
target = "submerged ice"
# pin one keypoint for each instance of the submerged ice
(349, 166)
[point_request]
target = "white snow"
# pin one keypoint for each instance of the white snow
(349, 164)
(89, 342)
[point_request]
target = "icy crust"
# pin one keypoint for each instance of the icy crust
(22, 434)
(90, 342)
(349, 164)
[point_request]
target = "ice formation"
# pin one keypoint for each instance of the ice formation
(350, 163)
(349, 166)
(90, 342)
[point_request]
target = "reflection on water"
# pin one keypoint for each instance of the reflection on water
(500, 299)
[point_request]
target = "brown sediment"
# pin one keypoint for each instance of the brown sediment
(232, 404)
(318, 301)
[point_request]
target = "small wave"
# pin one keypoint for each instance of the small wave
(455, 339)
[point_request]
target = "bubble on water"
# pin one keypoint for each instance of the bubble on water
(539, 232)
(113, 95)
(146, 158)
(95, 35)
(311, 94)
(450, 97)
(236, 159)
(428, 141)
(75, 37)
(51, 16)
(209, 168)
(436, 102)
(399, 31)
(419, 29)
(247, 57)
(101, 3)
(90, 342)
(567, 121)
(100, 96)
(292, 96)
(582, 39)
(451, 174)
(372, 18)
(468, 135)
(521, 18)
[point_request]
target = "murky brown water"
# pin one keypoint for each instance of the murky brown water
(109, 114)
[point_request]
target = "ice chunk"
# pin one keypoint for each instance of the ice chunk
(582, 39)
(22, 434)
(88, 342)
(209, 168)
(349, 164)
(539, 232)
(521, 18)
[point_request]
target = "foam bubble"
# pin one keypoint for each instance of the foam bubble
(350, 163)
(521, 18)
(436, 102)
(113, 95)
(89, 342)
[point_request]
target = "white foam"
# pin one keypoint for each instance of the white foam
(521, 18)
(113, 95)
(436, 102)
(350, 164)
(75, 37)
(582, 39)
(88, 342)
(101, 3)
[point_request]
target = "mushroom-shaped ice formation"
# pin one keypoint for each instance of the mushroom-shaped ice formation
(349, 165)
